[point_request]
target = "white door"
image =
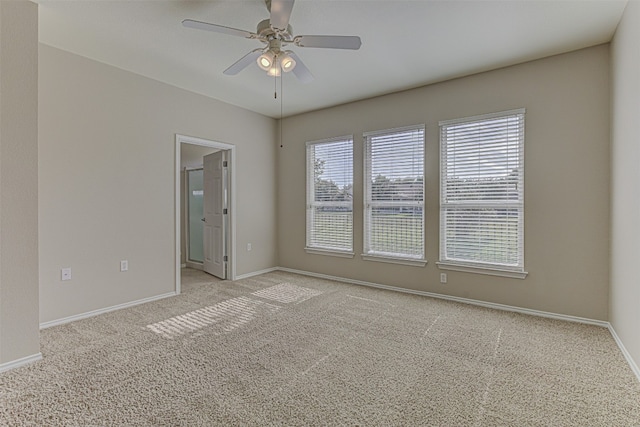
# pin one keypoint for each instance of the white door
(215, 213)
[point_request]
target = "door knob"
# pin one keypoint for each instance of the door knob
(202, 219)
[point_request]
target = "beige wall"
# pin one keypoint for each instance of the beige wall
(625, 181)
(19, 336)
(107, 177)
(566, 181)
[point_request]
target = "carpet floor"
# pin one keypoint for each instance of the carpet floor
(283, 349)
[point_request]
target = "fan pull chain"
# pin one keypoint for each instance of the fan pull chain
(281, 102)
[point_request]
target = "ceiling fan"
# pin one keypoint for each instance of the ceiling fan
(276, 33)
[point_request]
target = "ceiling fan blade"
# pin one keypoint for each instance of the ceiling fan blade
(329, 42)
(280, 13)
(198, 25)
(300, 70)
(243, 62)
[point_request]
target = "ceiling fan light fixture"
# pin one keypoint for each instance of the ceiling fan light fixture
(266, 60)
(287, 63)
(274, 71)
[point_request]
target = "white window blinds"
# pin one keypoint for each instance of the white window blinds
(394, 193)
(330, 194)
(482, 191)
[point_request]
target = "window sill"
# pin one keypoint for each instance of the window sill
(392, 260)
(328, 252)
(482, 270)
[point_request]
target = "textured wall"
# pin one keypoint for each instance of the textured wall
(566, 181)
(107, 177)
(19, 335)
(625, 188)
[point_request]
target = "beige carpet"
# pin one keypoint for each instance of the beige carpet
(283, 349)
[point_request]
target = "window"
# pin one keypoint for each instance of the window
(394, 195)
(330, 196)
(482, 194)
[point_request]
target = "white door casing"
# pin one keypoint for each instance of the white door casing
(215, 212)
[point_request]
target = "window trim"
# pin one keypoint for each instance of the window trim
(517, 272)
(329, 252)
(478, 269)
(389, 257)
(346, 253)
(416, 262)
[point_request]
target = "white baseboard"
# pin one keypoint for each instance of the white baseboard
(257, 273)
(194, 265)
(88, 314)
(625, 353)
(20, 362)
(496, 306)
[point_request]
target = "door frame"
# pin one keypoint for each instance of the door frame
(231, 236)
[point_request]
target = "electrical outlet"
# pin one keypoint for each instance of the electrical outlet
(65, 273)
(443, 277)
(248, 247)
(124, 265)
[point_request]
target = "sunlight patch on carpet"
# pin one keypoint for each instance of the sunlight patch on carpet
(226, 316)
(287, 293)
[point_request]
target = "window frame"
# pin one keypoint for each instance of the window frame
(311, 202)
(389, 257)
(472, 266)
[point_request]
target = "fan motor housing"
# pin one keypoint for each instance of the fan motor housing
(266, 31)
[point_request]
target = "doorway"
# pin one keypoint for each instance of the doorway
(217, 251)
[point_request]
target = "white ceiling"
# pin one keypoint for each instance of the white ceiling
(405, 44)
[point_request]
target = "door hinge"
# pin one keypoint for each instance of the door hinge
(225, 211)
(226, 258)
(225, 164)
